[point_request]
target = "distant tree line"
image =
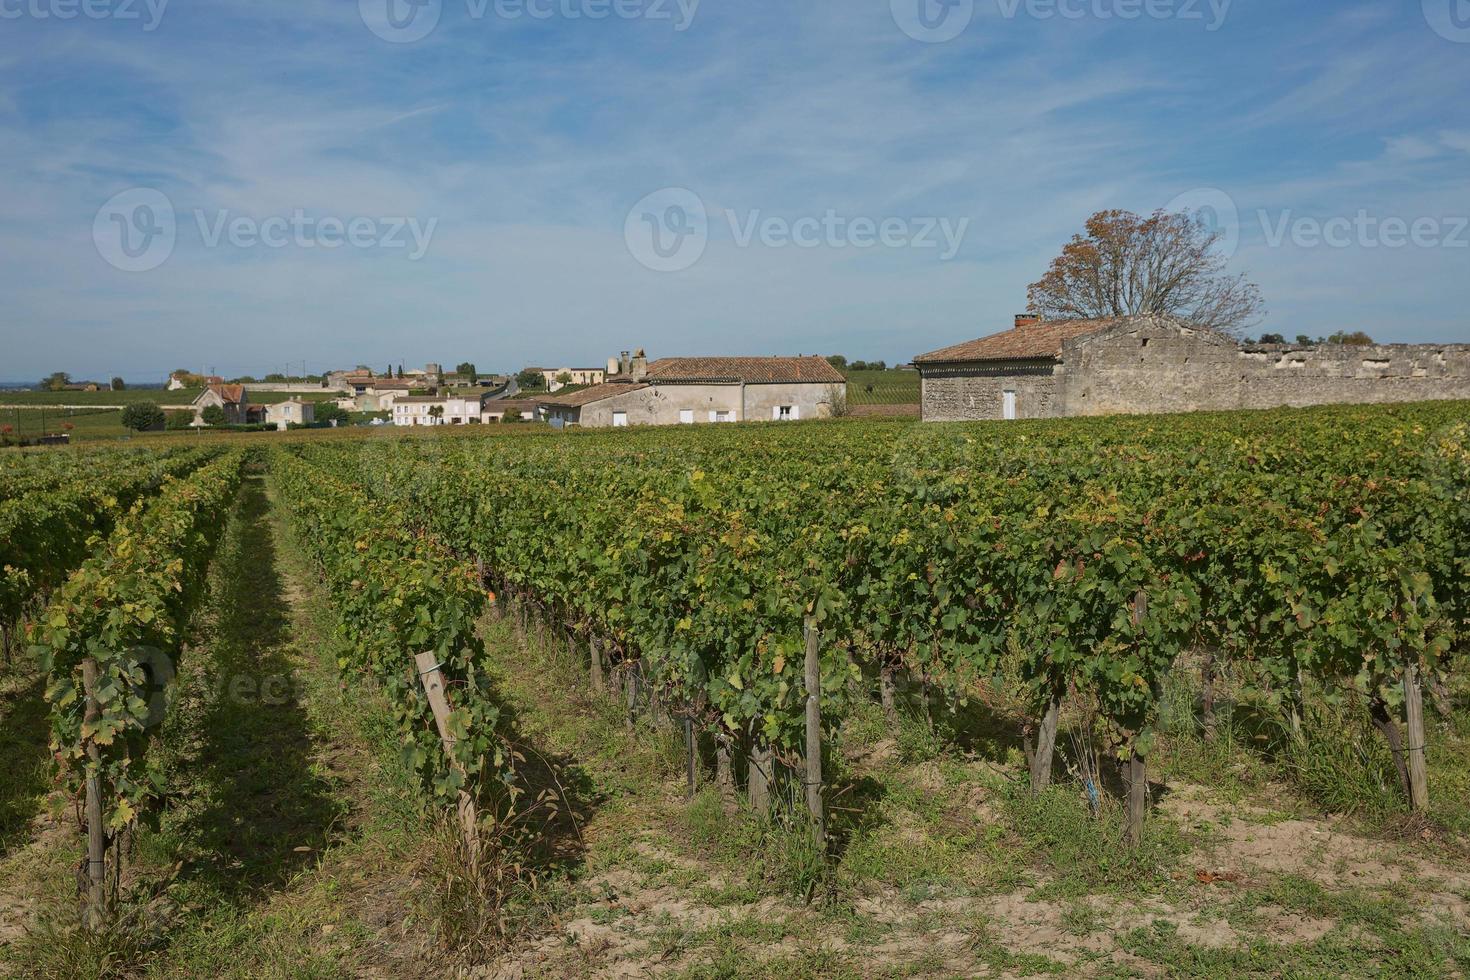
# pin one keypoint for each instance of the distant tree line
(841, 363)
(1355, 339)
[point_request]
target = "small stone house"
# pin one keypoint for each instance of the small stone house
(232, 399)
(1156, 364)
(294, 411)
(699, 390)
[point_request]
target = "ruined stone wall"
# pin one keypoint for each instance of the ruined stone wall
(1159, 367)
(976, 393)
(1153, 365)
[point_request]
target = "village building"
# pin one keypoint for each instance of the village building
(1155, 364)
(445, 409)
(233, 400)
(698, 390)
(511, 409)
(285, 414)
(558, 378)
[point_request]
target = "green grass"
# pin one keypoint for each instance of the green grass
(132, 396)
(888, 387)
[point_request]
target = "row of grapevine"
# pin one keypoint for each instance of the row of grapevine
(1329, 544)
(398, 595)
(109, 640)
(51, 511)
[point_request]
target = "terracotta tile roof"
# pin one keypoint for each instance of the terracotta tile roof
(509, 404)
(387, 384)
(234, 394)
(751, 370)
(1039, 340)
(595, 393)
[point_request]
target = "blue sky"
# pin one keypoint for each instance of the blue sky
(520, 146)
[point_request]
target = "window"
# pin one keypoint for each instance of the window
(785, 413)
(686, 416)
(717, 416)
(620, 420)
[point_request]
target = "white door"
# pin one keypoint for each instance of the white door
(686, 416)
(1008, 405)
(620, 420)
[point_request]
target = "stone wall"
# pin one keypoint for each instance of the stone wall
(1159, 366)
(977, 393)
(1151, 365)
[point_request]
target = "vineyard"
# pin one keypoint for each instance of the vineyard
(1145, 696)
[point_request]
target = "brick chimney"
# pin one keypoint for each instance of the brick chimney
(638, 370)
(625, 362)
(1027, 320)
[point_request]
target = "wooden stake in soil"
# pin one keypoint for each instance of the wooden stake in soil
(724, 772)
(888, 696)
(1207, 694)
(1046, 745)
(814, 730)
(96, 912)
(630, 683)
(689, 753)
(594, 645)
(1137, 767)
(433, 681)
(1137, 797)
(758, 781)
(1414, 712)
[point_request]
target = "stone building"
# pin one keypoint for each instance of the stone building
(695, 390)
(291, 412)
(233, 400)
(1153, 364)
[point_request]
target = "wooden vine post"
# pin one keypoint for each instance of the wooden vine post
(758, 779)
(814, 730)
(96, 912)
(630, 685)
(1137, 764)
(594, 646)
(1414, 715)
(690, 756)
(469, 823)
